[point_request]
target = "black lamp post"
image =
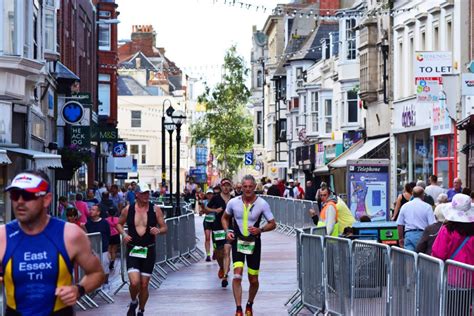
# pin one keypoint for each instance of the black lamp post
(169, 125)
(178, 119)
(163, 144)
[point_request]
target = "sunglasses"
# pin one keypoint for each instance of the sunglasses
(27, 196)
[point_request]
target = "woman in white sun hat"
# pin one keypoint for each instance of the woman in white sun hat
(455, 241)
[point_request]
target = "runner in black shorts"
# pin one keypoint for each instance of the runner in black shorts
(145, 221)
(221, 245)
(247, 210)
(209, 219)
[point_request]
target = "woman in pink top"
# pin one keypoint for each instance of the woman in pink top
(114, 242)
(82, 207)
(455, 241)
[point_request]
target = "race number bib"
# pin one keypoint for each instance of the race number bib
(245, 247)
(219, 235)
(210, 218)
(139, 252)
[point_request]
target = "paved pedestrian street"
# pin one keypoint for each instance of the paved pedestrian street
(196, 290)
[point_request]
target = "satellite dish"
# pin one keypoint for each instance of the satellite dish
(260, 39)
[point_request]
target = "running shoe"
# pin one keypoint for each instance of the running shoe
(208, 259)
(140, 313)
(239, 313)
(213, 256)
(224, 283)
(220, 274)
(248, 311)
(132, 309)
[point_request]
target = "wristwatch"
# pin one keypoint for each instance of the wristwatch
(81, 290)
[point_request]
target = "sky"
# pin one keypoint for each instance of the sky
(196, 33)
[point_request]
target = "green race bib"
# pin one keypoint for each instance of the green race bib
(210, 218)
(219, 235)
(245, 247)
(139, 252)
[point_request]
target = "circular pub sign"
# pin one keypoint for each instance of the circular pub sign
(72, 112)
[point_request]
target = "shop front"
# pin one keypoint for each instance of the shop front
(413, 144)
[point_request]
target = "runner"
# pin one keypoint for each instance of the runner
(222, 247)
(247, 210)
(207, 223)
(142, 219)
(43, 249)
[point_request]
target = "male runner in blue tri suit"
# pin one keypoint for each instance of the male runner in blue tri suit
(247, 211)
(37, 253)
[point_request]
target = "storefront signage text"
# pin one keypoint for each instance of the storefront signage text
(409, 116)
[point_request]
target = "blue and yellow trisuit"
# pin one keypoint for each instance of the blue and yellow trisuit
(34, 266)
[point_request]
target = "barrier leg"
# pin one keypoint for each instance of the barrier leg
(105, 296)
(89, 301)
(293, 297)
(120, 287)
(81, 306)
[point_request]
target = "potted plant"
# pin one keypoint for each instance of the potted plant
(72, 158)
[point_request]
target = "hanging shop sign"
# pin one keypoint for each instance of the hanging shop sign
(429, 68)
(368, 188)
(79, 135)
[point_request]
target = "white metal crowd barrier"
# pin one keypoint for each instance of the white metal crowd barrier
(290, 214)
(339, 276)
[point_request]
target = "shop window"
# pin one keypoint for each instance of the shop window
(402, 161)
(423, 157)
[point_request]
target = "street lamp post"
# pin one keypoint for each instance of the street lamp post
(169, 125)
(178, 119)
(163, 144)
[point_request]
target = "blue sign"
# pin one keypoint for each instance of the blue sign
(119, 150)
(248, 160)
(121, 176)
(72, 112)
(368, 189)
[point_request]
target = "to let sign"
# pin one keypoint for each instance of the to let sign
(80, 136)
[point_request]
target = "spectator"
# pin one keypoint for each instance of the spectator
(457, 188)
(472, 197)
(238, 189)
(273, 190)
(442, 198)
(82, 207)
(62, 205)
(130, 196)
(427, 198)
(291, 192)
(73, 216)
(115, 197)
(455, 242)
(101, 189)
(112, 219)
(91, 200)
(402, 199)
(300, 194)
(322, 186)
(434, 190)
(466, 191)
(429, 234)
(106, 205)
(415, 216)
(96, 224)
(310, 193)
(267, 185)
(281, 187)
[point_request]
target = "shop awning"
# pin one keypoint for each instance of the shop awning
(357, 153)
(41, 159)
(321, 170)
(4, 160)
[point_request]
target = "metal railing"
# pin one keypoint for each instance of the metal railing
(291, 214)
(339, 276)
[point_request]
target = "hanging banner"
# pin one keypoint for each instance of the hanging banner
(368, 188)
(441, 123)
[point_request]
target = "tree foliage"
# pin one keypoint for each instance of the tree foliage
(227, 122)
